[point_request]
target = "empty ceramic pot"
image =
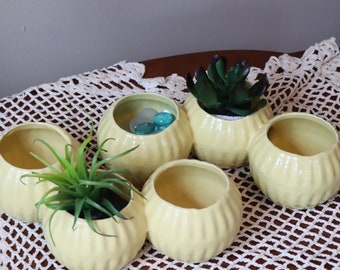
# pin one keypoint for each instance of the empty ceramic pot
(174, 142)
(193, 210)
(18, 196)
(295, 160)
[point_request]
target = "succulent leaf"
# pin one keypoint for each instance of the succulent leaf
(259, 87)
(244, 69)
(221, 66)
(78, 206)
(78, 188)
(262, 103)
(205, 89)
(222, 92)
(239, 95)
(215, 76)
(191, 85)
(241, 112)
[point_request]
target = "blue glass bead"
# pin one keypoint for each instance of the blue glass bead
(144, 128)
(163, 119)
(137, 120)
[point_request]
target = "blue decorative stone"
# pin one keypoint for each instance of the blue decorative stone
(163, 119)
(149, 121)
(144, 128)
(136, 121)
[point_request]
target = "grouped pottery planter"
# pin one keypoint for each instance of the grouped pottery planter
(81, 248)
(18, 196)
(193, 210)
(295, 160)
(174, 142)
(220, 141)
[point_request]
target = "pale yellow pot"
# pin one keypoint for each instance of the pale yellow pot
(84, 249)
(193, 210)
(295, 160)
(223, 142)
(174, 142)
(18, 198)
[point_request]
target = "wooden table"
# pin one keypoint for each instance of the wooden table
(181, 64)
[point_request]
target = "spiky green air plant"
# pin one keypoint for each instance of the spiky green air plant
(227, 93)
(80, 189)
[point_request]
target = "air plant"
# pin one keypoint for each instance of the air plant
(84, 191)
(227, 93)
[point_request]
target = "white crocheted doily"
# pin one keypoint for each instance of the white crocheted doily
(270, 237)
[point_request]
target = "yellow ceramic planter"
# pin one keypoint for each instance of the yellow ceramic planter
(174, 142)
(84, 249)
(193, 210)
(295, 160)
(223, 142)
(18, 198)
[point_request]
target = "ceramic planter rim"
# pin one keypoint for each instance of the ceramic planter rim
(190, 163)
(25, 191)
(301, 115)
(296, 181)
(83, 221)
(174, 142)
(145, 96)
(238, 117)
(41, 125)
(182, 231)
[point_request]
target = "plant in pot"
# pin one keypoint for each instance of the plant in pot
(92, 218)
(225, 111)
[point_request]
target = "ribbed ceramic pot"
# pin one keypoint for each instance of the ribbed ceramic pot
(18, 197)
(220, 141)
(81, 248)
(174, 142)
(193, 210)
(295, 160)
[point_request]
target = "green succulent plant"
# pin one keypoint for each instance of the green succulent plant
(82, 190)
(227, 93)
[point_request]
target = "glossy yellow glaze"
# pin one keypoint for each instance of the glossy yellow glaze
(18, 198)
(174, 142)
(295, 160)
(193, 210)
(223, 142)
(83, 249)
